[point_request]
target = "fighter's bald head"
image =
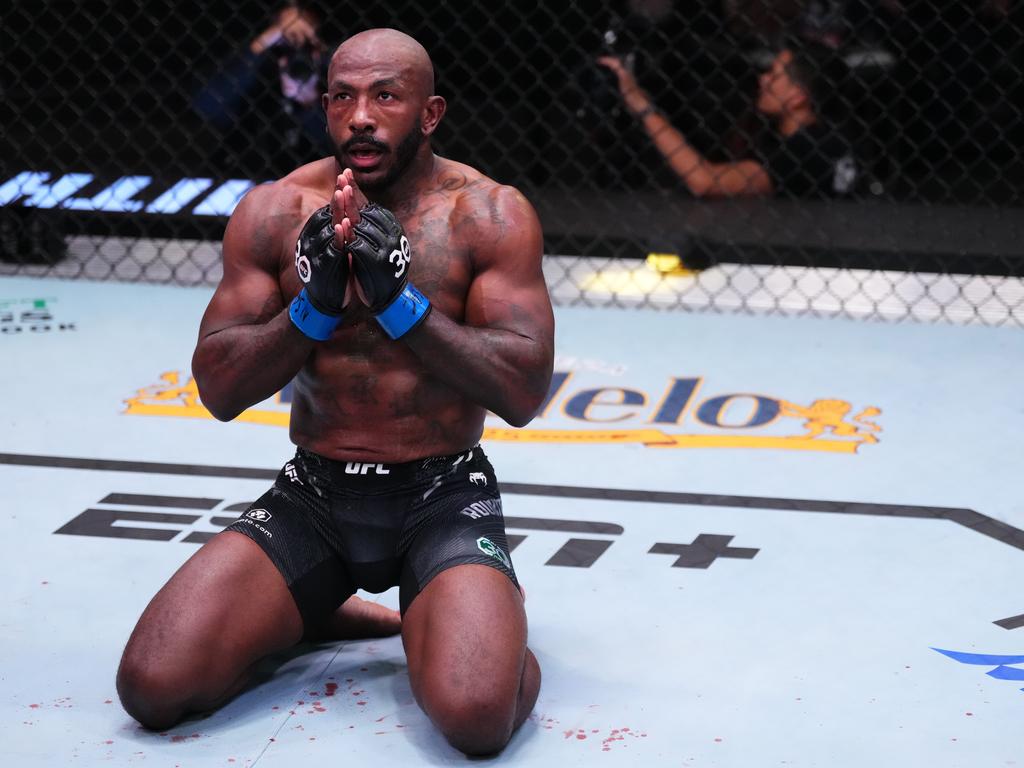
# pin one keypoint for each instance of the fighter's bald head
(376, 47)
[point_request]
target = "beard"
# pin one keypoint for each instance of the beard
(403, 155)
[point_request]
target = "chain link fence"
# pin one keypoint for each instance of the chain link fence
(832, 157)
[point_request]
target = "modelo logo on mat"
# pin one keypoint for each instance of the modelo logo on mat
(679, 415)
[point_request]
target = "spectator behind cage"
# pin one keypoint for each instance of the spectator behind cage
(264, 101)
(805, 156)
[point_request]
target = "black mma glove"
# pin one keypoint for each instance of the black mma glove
(380, 257)
(323, 269)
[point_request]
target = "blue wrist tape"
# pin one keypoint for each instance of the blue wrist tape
(404, 313)
(309, 320)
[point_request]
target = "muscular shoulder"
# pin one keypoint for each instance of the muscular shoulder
(477, 196)
(487, 211)
(267, 217)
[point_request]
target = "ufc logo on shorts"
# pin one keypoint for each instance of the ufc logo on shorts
(400, 258)
(358, 468)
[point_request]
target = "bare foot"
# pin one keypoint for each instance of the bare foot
(356, 619)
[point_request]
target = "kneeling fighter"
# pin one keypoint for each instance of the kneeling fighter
(403, 294)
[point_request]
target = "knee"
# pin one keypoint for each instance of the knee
(150, 695)
(476, 725)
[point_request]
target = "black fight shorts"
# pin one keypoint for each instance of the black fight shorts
(332, 527)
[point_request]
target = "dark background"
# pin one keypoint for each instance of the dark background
(107, 87)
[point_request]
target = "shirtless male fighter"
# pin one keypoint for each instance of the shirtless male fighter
(403, 293)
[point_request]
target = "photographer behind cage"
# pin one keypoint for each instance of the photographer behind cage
(804, 155)
(264, 101)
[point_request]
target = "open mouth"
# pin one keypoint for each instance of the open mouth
(364, 157)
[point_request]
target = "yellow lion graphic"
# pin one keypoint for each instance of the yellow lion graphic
(830, 415)
(185, 395)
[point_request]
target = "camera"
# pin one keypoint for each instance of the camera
(300, 64)
(597, 85)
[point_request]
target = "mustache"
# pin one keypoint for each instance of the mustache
(365, 142)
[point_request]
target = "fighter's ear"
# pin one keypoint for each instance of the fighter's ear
(433, 111)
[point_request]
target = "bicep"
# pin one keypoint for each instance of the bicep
(249, 292)
(508, 291)
(249, 296)
(511, 300)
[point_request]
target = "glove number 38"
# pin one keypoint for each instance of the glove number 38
(400, 258)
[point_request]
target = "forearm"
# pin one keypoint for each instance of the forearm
(505, 372)
(741, 178)
(242, 365)
(686, 162)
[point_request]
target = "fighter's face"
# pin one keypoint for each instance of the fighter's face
(374, 120)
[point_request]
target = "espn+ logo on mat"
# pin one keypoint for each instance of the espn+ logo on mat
(196, 520)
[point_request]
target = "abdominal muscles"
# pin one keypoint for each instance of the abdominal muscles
(382, 406)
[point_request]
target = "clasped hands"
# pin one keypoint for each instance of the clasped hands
(354, 245)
